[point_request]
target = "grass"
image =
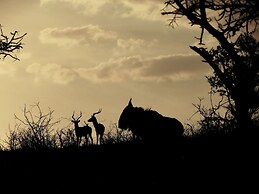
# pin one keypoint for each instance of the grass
(200, 162)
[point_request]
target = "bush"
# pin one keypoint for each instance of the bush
(34, 131)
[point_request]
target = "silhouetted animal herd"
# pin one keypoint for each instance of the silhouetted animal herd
(86, 131)
(146, 125)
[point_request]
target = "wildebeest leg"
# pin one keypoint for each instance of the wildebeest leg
(91, 138)
(97, 138)
(78, 141)
(86, 140)
(134, 136)
(101, 139)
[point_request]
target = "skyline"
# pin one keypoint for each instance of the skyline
(83, 55)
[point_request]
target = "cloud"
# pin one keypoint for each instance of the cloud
(52, 72)
(130, 44)
(172, 68)
(69, 37)
(91, 7)
(147, 10)
(133, 45)
(157, 69)
(92, 35)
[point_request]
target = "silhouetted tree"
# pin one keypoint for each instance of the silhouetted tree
(35, 130)
(244, 77)
(235, 59)
(66, 138)
(8, 45)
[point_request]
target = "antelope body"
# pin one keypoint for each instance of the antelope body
(99, 128)
(84, 131)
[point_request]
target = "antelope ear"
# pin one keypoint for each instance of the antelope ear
(130, 103)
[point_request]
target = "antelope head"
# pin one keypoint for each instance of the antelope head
(76, 120)
(93, 119)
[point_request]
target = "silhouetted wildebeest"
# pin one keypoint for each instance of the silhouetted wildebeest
(149, 125)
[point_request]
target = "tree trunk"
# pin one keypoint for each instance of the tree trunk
(244, 121)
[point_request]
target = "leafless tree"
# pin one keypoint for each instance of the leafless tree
(8, 45)
(35, 130)
(66, 138)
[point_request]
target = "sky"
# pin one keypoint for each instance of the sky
(86, 55)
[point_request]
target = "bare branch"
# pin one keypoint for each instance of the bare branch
(9, 45)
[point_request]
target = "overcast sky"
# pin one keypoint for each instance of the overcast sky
(82, 55)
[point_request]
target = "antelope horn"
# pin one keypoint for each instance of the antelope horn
(100, 110)
(80, 115)
(73, 115)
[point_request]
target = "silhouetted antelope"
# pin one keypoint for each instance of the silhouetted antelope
(85, 131)
(149, 125)
(99, 128)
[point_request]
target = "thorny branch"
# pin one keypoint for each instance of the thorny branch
(231, 15)
(10, 44)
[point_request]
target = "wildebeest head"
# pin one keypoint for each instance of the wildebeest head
(126, 116)
(137, 120)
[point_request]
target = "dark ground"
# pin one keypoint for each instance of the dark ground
(209, 166)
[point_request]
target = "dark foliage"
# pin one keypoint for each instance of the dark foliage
(234, 63)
